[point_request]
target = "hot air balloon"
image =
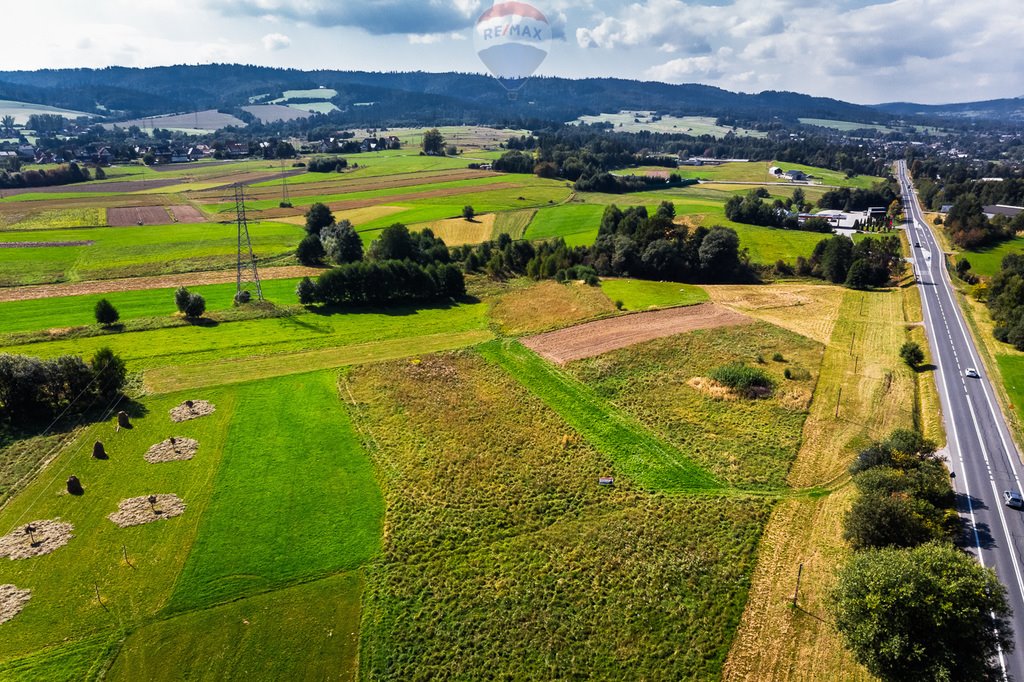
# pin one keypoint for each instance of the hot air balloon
(512, 40)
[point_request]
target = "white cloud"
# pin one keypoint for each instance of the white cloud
(276, 41)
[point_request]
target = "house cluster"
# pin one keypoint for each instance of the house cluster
(791, 175)
(346, 143)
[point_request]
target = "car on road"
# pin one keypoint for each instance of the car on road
(1012, 498)
(972, 373)
(917, 245)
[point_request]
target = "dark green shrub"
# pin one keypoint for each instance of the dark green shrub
(106, 313)
(196, 306)
(749, 381)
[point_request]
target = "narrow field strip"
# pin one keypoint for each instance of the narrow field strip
(644, 457)
(171, 379)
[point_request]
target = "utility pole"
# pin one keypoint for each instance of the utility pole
(247, 273)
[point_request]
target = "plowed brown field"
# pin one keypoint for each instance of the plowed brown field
(137, 215)
(596, 338)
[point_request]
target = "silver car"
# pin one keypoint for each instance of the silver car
(972, 373)
(1013, 499)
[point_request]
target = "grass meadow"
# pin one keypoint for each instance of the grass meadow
(136, 251)
(498, 534)
(641, 294)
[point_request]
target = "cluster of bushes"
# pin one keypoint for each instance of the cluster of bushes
(515, 162)
(904, 498)
(969, 227)
(909, 604)
(34, 390)
(326, 164)
(1006, 301)
(752, 210)
(869, 263)
(45, 177)
(748, 381)
(192, 306)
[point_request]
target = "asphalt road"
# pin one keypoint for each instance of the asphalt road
(982, 454)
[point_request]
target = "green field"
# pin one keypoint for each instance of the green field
(639, 294)
(989, 261)
(74, 311)
(306, 498)
(22, 110)
(135, 251)
(199, 344)
(757, 172)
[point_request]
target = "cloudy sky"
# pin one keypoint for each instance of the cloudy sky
(864, 51)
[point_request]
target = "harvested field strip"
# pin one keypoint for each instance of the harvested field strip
(863, 378)
(89, 187)
(338, 184)
(20, 219)
(547, 305)
(109, 286)
(595, 338)
(810, 310)
(30, 245)
(459, 231)
(147, 215)
(641, 455)
(337, 205)
(296, 479)
(187, 214)
(513, 223)
(175, 378)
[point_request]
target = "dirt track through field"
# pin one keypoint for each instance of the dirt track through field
(596, 338)
(108, 286)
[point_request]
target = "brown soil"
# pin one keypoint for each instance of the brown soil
(12, 601)
(596, 338)
(137, 215)
(48, 536)
(32, 245)
(189, 215)
(200, 408)
(178, 451)
(107, 286)
(113, 187)
(137, 511)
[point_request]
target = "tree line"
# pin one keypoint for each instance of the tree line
(399, 266)
(33, 390)
(44, 177)
(909, 604)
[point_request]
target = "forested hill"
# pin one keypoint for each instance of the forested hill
(455, 97)
(997, 109)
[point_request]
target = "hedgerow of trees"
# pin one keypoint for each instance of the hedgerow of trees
(44, 177)
(909, 604)
(34, 390)
(1006, 301)
(871, 262)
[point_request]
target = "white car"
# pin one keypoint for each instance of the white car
(972, 373)
(1013, 499)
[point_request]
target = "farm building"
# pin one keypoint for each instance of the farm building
(1003, 210)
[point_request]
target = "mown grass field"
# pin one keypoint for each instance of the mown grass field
(136, 251)
(639, 294)
(989, 261)
(502, 537)
(198, 345)
(289, 471)
(75, 311)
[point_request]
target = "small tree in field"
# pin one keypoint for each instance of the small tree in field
(181, 298)
(106, 313)
(468, 213)
(912, 354)
(196, 306)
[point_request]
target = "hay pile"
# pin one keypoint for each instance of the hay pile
(137, 511)
(172, 450)
(12, 601)
(197, 409)
(45, 537)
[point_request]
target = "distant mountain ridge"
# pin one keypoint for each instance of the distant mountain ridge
(419, 97)
(996, 109)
